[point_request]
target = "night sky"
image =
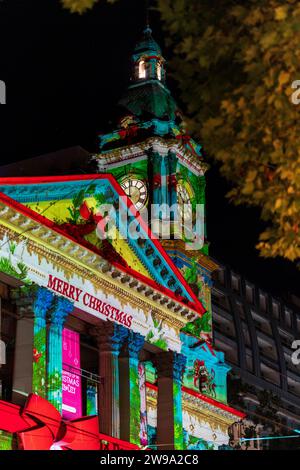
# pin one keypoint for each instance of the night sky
(64, 73)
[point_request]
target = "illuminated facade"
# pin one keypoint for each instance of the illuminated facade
(113, 327)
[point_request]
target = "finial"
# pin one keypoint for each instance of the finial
(147, 30)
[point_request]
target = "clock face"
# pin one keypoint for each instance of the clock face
(184, 201)
(136, 190)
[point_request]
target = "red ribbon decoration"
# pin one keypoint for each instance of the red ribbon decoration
(129, 132)
(39, 426)
(186, 140)
(156, 180)
(97, 220)
(173, 181)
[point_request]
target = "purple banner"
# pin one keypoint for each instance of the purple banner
(71, 379)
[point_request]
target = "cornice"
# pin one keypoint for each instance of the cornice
(199, 408)
(179, 246)
(203, 409)
(72, 257)
(129, 152)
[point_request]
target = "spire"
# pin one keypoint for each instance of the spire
(147, 59)
(147, 96)
(147, 44)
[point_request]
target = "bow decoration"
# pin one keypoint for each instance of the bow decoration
(39, 426)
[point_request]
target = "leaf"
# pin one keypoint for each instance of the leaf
(248, 188)
(284, 77)
(251, 175)
(269, 39)
(281, 13)
(79, 6)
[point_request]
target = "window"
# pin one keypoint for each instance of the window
(286, 338)
(246, 335)
(293, 385)
(298, 324)
(241, 310)
(288, 361)
(267, 347)
(249, 362)
(228, 347)
(158, 70)
(262, 302)
(275, 309)
(261, 323)
(142, 69)
(220, 299)
(271, 375)
(249, 293)
(221, 276)
(288, 318)
(235, 283)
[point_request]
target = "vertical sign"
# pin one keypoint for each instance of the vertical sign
(142, 386)
(71, 379)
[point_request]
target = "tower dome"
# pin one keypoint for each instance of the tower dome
(148, 62)
(147, 44)
(147, 95)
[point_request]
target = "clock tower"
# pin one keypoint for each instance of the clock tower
(160, 167)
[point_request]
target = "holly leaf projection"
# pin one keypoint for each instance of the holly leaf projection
(77, 201)
(235, 64)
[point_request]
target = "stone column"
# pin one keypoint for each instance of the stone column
(172, 180)
(62, 309)
(170, 367)
(23, 364)
(164, 181)
(154, 177)
(110, 339)
(130, 399)
(41, 305)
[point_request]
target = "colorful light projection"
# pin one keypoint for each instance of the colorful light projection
(142, 385)
(71, 379)
(91, 398)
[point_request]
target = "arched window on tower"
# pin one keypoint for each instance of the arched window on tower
(158, 71)
(142, 69)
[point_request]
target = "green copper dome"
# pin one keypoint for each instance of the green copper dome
(147, 96)
(151, 100)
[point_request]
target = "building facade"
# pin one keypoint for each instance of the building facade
(106, 291)
(257, 331)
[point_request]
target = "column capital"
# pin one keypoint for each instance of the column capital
(172, 159)
(207, 279)
(42, 302)
(110, 336)
(155, 159)
(179, 364)
(170, 364)
(63, 307)
(119, 336)
(135, 344)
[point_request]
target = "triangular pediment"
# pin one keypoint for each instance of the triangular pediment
(73, 206)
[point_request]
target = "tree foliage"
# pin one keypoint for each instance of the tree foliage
(235, 63)
(81, 6)
(78, 6)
